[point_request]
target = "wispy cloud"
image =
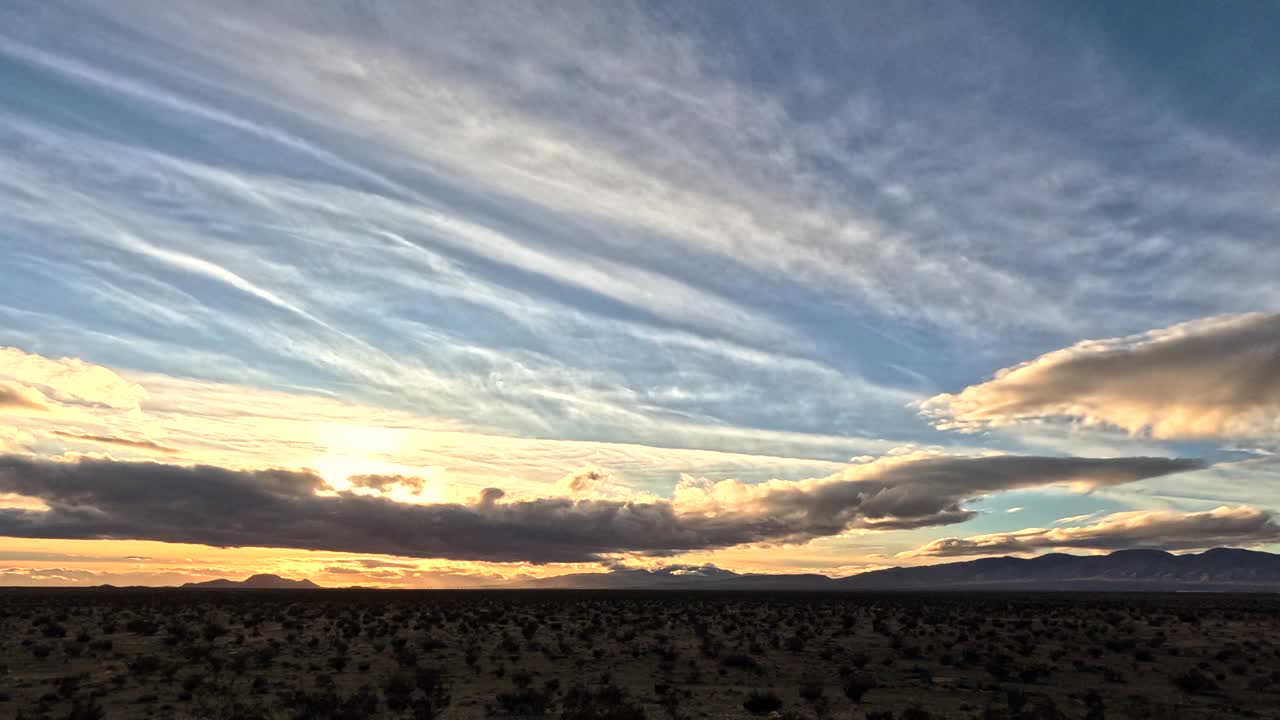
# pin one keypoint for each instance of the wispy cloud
(134, 443)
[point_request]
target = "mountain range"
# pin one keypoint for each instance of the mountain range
(1220, 569)
(1217, 570)
(256, 582)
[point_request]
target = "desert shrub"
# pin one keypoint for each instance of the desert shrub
(812, 692)
(740, 661)
(1016, 699)
(526, 702)
(916, 712)
(67, 686)
(398, 691)
(328, 705)
(86, 710)
(231, 710)
(607, 702)
(212, 631)
(140, 626)
(145, 665)
(858, 685)
(762, 703)
(1195, 682)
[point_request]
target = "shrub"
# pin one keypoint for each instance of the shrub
(1195, 682)
(144, 665)
(528, 702)
(858, 685)
(86, 711)
(762, 703)
(398, 691)
(811, 692)
(740, 661)
(608, 702)
(916, 712)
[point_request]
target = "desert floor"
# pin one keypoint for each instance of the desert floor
(139, 653)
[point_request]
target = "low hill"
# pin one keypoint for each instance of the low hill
(257, 582)
(1220, 569)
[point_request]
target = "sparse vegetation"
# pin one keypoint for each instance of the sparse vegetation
(278, 655)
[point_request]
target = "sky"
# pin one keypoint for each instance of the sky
(453, 294)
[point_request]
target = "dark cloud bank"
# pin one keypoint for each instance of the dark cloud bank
(102, 499)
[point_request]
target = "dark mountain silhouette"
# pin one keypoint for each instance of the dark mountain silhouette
(680, 577)
(1220, 569)
(257, 582)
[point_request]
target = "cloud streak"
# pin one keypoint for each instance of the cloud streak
(132, 443)
(100, 499)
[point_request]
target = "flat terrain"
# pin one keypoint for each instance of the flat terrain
(580, 655)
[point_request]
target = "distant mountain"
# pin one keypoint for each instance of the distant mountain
(1221, 569)
(257, 582)
(679, 577)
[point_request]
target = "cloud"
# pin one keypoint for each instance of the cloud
(1163, 530)
(537, 224)
(1073, 519)
(1212, 378)
(226, 425)
(907, 491)
(104, 499)
(72, 577)
(383, 483)
(69, 380)
(13, 395)
(593, 481)
(149, 445)
(373, 564)
(45, 556)
(584, 480)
